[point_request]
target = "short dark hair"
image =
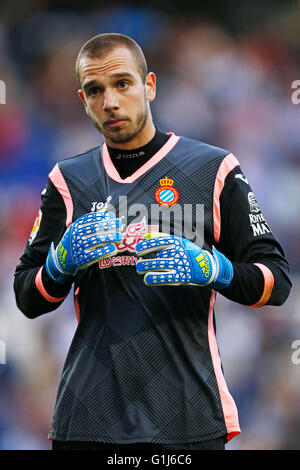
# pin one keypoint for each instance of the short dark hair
(107, 42)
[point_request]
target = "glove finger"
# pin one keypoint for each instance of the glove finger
(105, 251)
(97, 229)
(109, 225)
(96, 241)
(180, 275)
(154, 244)
(147, 265)
(168, 253)
(95, 217)
(161, 279)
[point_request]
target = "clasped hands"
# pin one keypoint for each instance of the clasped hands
(176, 261)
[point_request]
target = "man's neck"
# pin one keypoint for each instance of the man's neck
(127, 161)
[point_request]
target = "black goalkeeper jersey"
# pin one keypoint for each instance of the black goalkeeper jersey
(144, 364)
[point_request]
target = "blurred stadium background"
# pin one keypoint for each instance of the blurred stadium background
(224, 76)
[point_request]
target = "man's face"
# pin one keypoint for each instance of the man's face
(115, 96)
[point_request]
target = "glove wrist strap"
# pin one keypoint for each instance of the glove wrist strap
(53, 269)
(224, 272)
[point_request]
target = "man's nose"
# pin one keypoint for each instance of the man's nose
(110, 100)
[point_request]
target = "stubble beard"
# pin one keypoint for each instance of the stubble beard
(119, 136)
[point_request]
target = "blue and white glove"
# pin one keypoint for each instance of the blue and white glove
(86, 241)
(178, 261)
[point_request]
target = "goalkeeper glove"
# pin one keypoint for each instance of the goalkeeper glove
(178, 261)
(86, 241)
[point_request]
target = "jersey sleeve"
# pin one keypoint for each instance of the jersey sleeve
(261, 271)
(36, 293)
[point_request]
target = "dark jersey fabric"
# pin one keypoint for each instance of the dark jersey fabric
(141, 367)
(213, 444)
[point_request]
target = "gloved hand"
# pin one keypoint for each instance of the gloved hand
(178, 261)
(86, 241)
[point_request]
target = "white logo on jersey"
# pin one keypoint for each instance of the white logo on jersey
(242, 177)
(258, 224)
(254, 207)
(99, 206)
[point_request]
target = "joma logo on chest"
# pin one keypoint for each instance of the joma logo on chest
(98, 206)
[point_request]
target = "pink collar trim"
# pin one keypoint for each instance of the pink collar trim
(112, 172)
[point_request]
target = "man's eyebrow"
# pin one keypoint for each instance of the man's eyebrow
(123, 75)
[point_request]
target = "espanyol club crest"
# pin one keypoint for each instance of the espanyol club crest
(166, 195)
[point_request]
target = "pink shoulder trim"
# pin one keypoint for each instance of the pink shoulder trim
(229, 408)
(76, 304)
(59, 182)
(225, 168)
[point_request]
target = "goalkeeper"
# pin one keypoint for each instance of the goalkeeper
(143, 370)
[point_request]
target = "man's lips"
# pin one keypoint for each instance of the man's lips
(115, 122)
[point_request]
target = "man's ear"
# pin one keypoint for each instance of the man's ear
(81, 96)
(150, 86)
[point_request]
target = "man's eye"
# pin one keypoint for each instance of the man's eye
(123, 84)
(93, 91)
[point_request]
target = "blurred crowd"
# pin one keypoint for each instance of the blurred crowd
(232, 90)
